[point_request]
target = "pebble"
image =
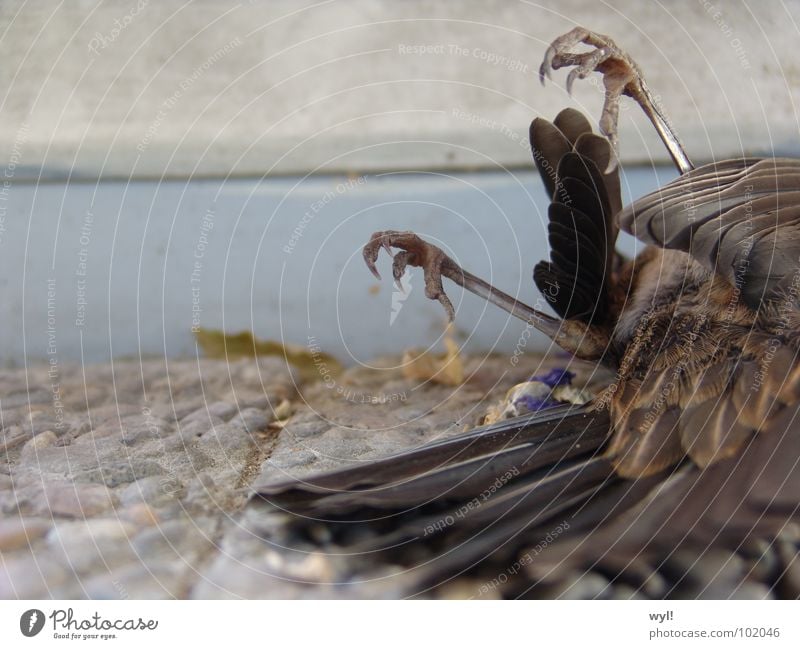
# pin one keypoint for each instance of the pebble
(16, 533)
(181, 539)
(23, 576)
(153, 490)
(252, 419)
(140, 580)
(40, 441)
(91, 544)
(76, 499)
(307, 429)
(139, 514)
(590, 585)
(222, 409)
(177, 409)
(139, 428)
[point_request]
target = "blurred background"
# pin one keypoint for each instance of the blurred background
(174, 166)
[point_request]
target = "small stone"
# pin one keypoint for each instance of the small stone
(232, 440)
(23, 576)
(139, 428)
(76, 499)
(307, 429)
(590, 585)
(181, 539)
(623, 591)
(13, 436)
(252, 419)
(155, 491)
(40, 441)
(86, 545)
(222, 409)
(762, 560)
(751, 590)
(177, 409)
(142, 580)
(139, 514)
(201, 414)
(16, 533)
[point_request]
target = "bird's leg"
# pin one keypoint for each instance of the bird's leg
(621, 76)
(573, 336)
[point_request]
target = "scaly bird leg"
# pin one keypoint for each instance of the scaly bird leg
(571, 335)
(621, 76)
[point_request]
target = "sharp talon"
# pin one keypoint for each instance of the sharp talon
(369, 259)
(571, 80)
(546, 68)
(401, 260)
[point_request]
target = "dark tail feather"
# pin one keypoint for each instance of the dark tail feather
(585, 196)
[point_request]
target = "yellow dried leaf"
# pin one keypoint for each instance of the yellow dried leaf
(310, 363)
(447, 368)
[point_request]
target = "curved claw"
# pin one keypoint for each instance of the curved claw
(413, 252)
(401, 260)
(547, 65)
(373, 247)
(571, 79)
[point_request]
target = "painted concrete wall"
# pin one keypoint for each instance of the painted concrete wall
(221, 98)
(151, 88)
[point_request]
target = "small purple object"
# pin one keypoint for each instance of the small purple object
(533, 404)
(555, 377)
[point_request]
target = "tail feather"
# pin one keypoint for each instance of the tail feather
(579, 173)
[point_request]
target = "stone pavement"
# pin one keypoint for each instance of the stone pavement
(132, 480)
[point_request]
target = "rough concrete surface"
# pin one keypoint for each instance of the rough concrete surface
(133, 480)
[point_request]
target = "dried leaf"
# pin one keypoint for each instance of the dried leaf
(311, 363)
(447, 368)
(283, 410)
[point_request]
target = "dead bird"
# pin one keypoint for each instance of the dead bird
(693, 446)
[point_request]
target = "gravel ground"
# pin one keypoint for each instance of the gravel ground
(133, 479)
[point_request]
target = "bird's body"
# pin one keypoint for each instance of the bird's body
(702, 333)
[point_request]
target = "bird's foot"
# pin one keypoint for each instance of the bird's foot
(621, 76)
(414, 252)
(620, 73)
